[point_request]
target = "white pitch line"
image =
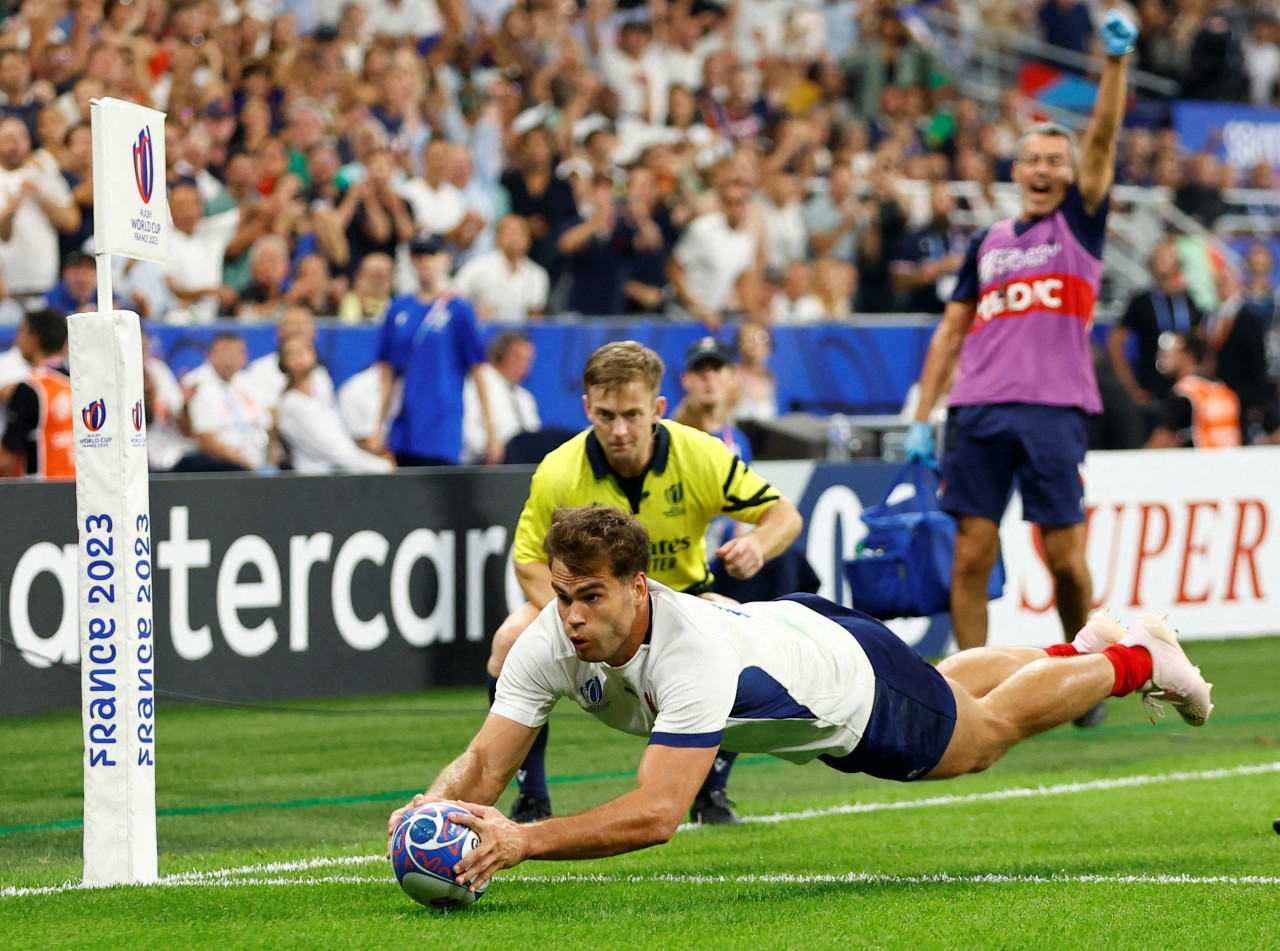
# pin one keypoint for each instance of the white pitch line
(849, 878)
(251, 874)
(1017, 792)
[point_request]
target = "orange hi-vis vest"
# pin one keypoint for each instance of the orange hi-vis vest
(1215, 412)
(54, 433)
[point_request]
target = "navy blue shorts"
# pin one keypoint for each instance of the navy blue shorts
(989, 448)
(914, 711)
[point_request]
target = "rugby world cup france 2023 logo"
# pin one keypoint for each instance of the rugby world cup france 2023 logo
(94, 415)
(144, 166)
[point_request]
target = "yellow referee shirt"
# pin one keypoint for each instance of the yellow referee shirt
(692, 478)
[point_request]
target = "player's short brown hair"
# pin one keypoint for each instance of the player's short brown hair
(622, 363)
(583, 538)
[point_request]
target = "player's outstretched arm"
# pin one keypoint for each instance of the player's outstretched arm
(1098, 148)
(667, 781)
(482, 772)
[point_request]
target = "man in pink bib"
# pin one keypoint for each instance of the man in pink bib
(1018, 322)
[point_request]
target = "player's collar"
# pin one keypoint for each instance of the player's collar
(600, 467)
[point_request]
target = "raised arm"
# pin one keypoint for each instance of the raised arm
(1098, 147)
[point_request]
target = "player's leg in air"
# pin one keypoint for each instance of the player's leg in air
(533, 802)
(1004, 695)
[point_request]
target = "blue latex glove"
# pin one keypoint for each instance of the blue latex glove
(1118, 34)
(918, 445)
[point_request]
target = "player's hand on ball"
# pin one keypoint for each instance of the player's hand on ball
(502, 845)
(419, 800)
(742, 556)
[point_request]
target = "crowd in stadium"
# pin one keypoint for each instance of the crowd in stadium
(782, 161)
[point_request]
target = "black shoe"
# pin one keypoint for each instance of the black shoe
(528, 809)
(1094, 716)
(713, 808)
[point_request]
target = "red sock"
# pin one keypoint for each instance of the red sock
(1133, 667)
(1061, 650)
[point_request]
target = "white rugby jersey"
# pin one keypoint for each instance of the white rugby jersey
(766, 677)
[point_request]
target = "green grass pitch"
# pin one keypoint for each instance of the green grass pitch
(1130, 836)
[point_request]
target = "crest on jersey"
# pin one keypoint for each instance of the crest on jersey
(592, 691)
(137, 416)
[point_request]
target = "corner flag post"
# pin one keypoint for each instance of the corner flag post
(112, 506)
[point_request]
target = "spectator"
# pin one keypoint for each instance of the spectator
(536, 194)
(374, 218)
(431, 342)
(197, 249)
(709, 386)
(647, 234)
(595, 257)
(831, 217)
(924, 266)
(17, 98)
(1067, 25)
(1163, 49)
(77, 292)
(195, 153)
(1197, 411)
(757, 384)
(786, 238)
(1165, 308)
(255, 216)
(77, 170)
(889, 56)
(834, 283)
(635, 73)
(13, 366)
(877, 242)
(370, 292)
(438, 207)
(1201, 196)
(477, 182)
(265, 379)
(505, 285)
(1237, 355)
(226, 423)
(38, 435)
(269, 274)
(165, 410)
(794, 302)
(35, 207)
(1262, 58)
(308, 422)
(1217, 64)
(1260, 291)
(512, 408)
(716, 264)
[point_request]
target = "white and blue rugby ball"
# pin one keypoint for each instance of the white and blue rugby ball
(424, 849)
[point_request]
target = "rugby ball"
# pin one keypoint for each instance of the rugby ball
(424, 849)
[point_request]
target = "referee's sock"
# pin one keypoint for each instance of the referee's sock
(718, 777)
(532, 774)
